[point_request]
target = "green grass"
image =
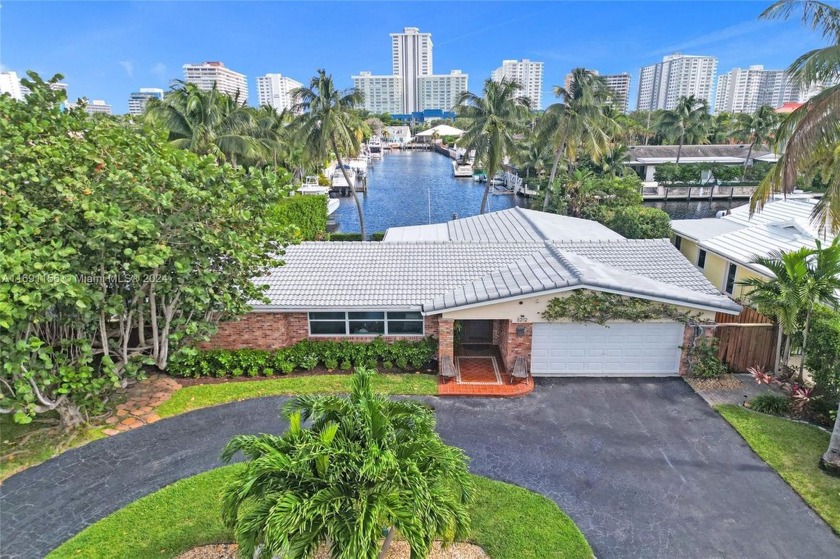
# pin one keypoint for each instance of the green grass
(793, 450)
(508, 522)
(204, 395)
(22, 446)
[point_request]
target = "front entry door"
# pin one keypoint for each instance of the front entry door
(477, 331)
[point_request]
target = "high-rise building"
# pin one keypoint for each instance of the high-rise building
(382, 94)
(412, 85)
(10, 83)
(137, 100)
(661, 85)
(275, 90)
(527, 73)
(98, 106)
(743, 90)
(206, 74)
(619, 84)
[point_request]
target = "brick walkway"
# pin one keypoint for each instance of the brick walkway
(732, 390)
(482, 375)
(141, 400)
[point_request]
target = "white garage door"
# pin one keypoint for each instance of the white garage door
(621, 349)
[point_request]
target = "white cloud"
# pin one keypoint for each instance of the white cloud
(718, 37)
(128, 66)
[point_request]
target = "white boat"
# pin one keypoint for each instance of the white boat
(359, 166)
(312, 188)
(340, 181)
(375, 147)
(498, 180)
(461, 169)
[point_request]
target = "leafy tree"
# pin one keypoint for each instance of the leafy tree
(329, 125)
(115, 248)
(577, 124)
(492, 119)
(758, 128)
(641, 222)
(811, 130)
(823, 355)
(688, 121)
(367, 465)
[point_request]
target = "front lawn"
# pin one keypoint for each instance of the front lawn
(793, 450)
(508, 522)
(204, 395)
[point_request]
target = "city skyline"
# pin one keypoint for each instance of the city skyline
(733, 35)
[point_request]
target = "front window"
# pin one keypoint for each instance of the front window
(701, 259)
(677, 241)
(729, 287)
(366, 323)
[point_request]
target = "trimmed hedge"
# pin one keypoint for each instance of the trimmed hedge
(307, 213)
(304, 355)
(355, 236)
(640, 222)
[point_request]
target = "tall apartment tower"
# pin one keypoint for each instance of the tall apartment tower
(275, 90)
(411, 57)
(137, 100)
(527, 73)
(98, 106)
(619, 84)
(10, 83)
(743, 90)
(206, 74)
(661, 85)
(412, 86)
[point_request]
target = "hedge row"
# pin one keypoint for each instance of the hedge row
(304, 355)
(355, 236)
(307, 213)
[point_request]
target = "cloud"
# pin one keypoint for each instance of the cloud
(159, 70)
(717, 37)
(128, 66)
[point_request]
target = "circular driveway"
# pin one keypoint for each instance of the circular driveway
(643, 466)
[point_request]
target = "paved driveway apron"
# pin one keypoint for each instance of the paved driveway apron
(644, 467)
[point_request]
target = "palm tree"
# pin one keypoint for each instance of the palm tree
(612, 161)
(813, 127)
(784, 296)
(493, 120)
(366, 465)
(822, 287)
(208, 123)
(687, 121)
(329, 125)
(578, 122)
(758, 128)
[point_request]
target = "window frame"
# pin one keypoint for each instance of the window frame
(678, 242)
(701, 259)
(386, 320)
(731, 267)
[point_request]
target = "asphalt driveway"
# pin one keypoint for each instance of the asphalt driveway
(644, 467)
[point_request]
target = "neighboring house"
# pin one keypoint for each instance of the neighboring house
(494, 274)
(724, 248)
(644, 159)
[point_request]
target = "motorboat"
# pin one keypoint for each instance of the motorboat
(375, 147)
(339, 180)
(461, 169)
(479, 176)
(312, 188)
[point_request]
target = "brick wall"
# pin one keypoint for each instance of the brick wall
(445, 328)
(689, 337)
(264, 330)
(516, 345)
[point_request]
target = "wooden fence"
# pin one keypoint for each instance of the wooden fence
(746, 340)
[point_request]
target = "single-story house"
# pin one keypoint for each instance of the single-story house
(723, 248)
(493, 275)
(644, 159)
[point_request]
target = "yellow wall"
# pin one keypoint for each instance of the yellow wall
(742, 274)
(715, 270)
(689, 249)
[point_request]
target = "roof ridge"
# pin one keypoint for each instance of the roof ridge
(521, 211)
(558, 254)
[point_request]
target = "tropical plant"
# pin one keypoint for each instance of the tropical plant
(328, 125)
(823, 355)
(492, 121)
(365, 469)
(822, 287)
(688, 121)
(812, 129)
(758, 128)
(578, 123)
(769, 403)
(703, 360)
(211, 123)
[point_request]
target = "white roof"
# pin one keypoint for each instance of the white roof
(442, 130)
(702, 229)
(710, 159)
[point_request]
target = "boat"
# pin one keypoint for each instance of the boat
(479, 176)
(312, 188)
(498, 180)
(375, 147)
(461, 169)
(359, 166)
(340, 181)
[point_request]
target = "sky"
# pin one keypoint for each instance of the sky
(106, 50)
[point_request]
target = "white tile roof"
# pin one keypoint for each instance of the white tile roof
(702, 229)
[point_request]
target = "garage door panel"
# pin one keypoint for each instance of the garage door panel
(621, 349)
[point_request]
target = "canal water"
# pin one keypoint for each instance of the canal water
(417, 188)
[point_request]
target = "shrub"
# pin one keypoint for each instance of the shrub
(307, 213)
(640, 222)
(773, 404)
(355, 236)
(703, 361)
(823, 352)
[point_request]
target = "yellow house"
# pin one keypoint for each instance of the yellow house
(725, 247)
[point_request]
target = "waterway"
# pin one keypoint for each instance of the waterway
(417, 188)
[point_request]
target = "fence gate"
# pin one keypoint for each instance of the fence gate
(746, 340)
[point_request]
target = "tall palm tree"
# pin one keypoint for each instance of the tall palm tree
(689, 120)
(758, 128)
(578, 123)
(493, 120)
(823, 286)
(329, 125)
(208, 123)
(783, 297)
(813, 127)
(365, 464)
